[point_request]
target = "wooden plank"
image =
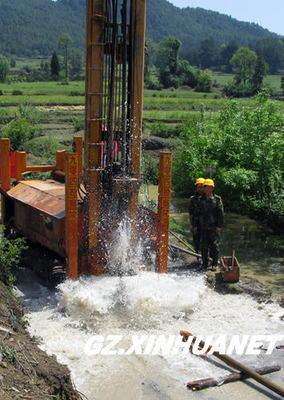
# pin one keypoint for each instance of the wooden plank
(238, 366)
(233, 377)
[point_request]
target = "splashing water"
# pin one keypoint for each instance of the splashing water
(124, 257)
(144, 303)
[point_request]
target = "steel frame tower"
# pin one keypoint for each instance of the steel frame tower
(115, 48)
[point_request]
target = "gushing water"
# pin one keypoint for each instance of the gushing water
(124, 258)
(142, 303)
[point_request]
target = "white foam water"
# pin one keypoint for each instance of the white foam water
(145, 303)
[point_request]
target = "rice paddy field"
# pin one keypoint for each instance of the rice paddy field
(60, 107)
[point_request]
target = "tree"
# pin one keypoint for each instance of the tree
(204, 81)
(167, 54)
(64, 43)
(282, 85)
(13, 63)
(207, 53)
(188, 73)
(244, 62)
(76, 64)
(259, 73)
(44, 68)
(167, 62)
(226, 53)
(273, 53)
(4, 68)
(54, 67)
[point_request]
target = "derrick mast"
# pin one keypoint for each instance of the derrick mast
(114, 104)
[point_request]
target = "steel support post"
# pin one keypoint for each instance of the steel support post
(60, 160)
(93, 131)
(137, 95)
(71, 217)
(78, 144)
(138, 33)
(21, 164)
(5, 168)
(165, 178)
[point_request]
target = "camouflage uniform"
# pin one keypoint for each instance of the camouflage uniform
(211, 218)
(194, 213)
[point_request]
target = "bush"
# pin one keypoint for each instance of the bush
(76, 93)
(232, 89)
(150, 169)
(241, 148)
(19, 131)
(78, 123)
(152, 81)
(44, 147)
(30, 113)
(4, 68)
(10, 253)
(204, 81)
(17, 92)
(187, 73)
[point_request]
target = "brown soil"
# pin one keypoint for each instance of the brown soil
(26, 372)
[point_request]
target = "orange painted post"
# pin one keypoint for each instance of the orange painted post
(78, 144)
(71, 215)
(60, 160)
(5, 168)
(165, 179)
(21, 164)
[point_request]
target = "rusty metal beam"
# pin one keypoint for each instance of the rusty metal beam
(137, 95)
(21, 164)
(40, 168)
(60, 160)
(71, 215)
(165, 175)
(5, 168)
(93, 129)
(78, 147)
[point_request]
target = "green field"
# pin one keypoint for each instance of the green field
(273, 81)
(61, 107)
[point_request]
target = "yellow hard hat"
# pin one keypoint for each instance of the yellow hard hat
(209, 182)
(200, 181)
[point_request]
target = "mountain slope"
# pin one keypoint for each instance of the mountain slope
(32, 27)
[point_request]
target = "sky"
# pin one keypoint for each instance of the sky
(267, 13)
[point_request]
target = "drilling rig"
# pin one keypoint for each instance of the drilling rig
(114, 104)
(95, 187)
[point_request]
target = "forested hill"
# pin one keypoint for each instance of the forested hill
(32, 27)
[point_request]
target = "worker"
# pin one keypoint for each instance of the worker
(194, 210)
(211, 223)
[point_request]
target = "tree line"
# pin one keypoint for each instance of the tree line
(208, 38)
(63, 65)
(166, 68)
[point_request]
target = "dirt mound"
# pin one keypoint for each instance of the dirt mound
(26, 372)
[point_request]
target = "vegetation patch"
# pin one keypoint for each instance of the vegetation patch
(240, 149)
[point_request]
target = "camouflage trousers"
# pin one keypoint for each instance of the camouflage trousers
(210, 247)
(196, 233)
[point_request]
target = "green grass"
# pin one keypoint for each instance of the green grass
(274, 81)
(60, 106)
(41, 100)
(43, 88)
(31, 62)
